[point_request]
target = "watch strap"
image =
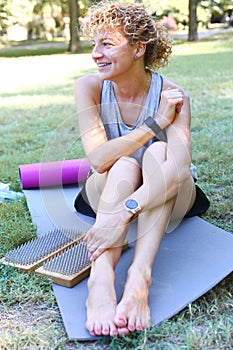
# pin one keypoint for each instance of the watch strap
(159, 133)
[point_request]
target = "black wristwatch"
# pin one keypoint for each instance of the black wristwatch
(132, 206)
(159, 133)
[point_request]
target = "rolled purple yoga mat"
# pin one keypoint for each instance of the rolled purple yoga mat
(53, 173)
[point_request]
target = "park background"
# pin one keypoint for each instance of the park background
(30, 20)
(36, 87)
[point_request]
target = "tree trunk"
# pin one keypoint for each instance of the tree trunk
(193, 36)
(74, 45)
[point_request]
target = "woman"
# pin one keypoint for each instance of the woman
(135, 129)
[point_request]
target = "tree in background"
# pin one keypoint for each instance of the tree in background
(43, 18)
(193, 13)
(51, 18)
(219, 11)
(180, 12)
(3, 16)
(15, 11)
(74, 45)
(193, 24)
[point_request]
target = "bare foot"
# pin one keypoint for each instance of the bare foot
(108, 231)
(101, 304)
(133, 312)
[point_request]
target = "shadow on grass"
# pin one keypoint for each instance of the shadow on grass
(38, 50)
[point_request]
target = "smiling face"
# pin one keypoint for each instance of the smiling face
(136, 24)
(113, 54)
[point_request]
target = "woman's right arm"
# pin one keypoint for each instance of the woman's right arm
(101, 152)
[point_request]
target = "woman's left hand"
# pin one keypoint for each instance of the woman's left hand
(171, 102)
(109, 231)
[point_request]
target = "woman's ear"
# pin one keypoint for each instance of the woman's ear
(140, 50)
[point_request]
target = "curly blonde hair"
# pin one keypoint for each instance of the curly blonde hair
(137, 26)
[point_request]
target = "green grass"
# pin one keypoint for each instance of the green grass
(37, 49)
(38, 122)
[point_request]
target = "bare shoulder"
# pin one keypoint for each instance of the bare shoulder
(89, 85)
(89, 80)
(168, 84)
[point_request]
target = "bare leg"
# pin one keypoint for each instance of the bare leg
(133, 310)
(101, 302)
(112, 220)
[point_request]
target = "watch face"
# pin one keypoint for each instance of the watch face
(131, 204)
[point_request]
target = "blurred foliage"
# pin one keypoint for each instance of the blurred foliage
(180, 11)
(24, 11)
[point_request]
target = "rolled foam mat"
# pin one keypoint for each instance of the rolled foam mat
(49, 174)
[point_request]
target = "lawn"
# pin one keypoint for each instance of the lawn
(38, 123)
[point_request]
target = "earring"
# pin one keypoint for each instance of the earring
(136, 57)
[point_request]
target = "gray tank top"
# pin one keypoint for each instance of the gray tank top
(111, 117)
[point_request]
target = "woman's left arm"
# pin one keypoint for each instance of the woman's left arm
(179, 145)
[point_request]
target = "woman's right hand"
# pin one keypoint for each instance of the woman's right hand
(171, 103)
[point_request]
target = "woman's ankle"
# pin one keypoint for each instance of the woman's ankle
(136, 271)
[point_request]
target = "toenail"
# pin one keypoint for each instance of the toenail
(92, 332)
(131, 328)
(122, 319)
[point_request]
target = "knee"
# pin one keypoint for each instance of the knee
(126, 168)
(156, 153)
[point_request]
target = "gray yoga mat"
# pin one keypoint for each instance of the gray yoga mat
(191, 260)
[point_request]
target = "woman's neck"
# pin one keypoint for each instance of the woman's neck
(132, 89)
(132, 98)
